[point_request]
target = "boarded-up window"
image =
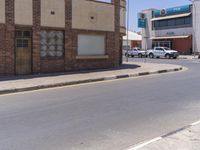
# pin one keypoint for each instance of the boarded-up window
(89, 45)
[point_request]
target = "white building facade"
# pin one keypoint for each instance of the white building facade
(177, 28)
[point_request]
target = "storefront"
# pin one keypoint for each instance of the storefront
(183, 44)
(176, 28)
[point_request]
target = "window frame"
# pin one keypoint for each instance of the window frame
(54, 57)
(184, 24)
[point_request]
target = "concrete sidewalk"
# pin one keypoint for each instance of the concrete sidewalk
(35, 82)
(186, 138)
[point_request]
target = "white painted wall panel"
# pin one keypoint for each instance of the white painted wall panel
(92, 15)
(24, 12)
(2, 11)
(177, 32)
(53, 13)
(123, 17)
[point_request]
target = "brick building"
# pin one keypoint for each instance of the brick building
(38, 36)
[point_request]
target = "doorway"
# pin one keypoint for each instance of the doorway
(163, 43)
(23, 52)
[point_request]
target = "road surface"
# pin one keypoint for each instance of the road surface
(101, 116)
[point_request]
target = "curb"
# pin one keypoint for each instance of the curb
(185, 58)
(17, 90)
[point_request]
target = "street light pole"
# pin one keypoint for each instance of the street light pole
(127, 31)
(146, 47)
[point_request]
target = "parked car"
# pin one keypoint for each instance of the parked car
(135, 52)
(163, 52)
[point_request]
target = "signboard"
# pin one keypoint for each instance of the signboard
(141, 23)
(141, 20)
(170, 33)
(172, 11)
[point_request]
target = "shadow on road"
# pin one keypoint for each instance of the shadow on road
(19, 77)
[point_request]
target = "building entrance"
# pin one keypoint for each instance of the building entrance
(166, 43)
(23, 52)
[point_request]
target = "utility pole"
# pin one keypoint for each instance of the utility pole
(127, 31)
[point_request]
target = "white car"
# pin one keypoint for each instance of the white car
(135, 52)
(163, 52)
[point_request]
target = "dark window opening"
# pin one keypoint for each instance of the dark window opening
(172, 23)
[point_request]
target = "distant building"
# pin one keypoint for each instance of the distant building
(177, 28)
(134, 40)
(38, 36)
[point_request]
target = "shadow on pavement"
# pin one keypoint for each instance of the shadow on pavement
(19, 77)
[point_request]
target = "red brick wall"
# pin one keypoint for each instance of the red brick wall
(2, 50)
(117, 34)
(135, 44)
(9, 38)
(36, 36)
(184, 46)
(69, 61)
(52, 65)
(80, 64)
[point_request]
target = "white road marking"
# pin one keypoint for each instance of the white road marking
(137, 147)
(195, 123)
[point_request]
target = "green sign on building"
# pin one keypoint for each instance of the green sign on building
(141, 23)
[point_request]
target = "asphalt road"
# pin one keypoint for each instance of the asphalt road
(101, 116)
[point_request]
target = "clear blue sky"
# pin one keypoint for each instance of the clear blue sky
(138, 5)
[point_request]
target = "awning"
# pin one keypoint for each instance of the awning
(171, 17)
(170, 37)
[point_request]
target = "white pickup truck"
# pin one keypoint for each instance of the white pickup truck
(135, 52)
(163, 52)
